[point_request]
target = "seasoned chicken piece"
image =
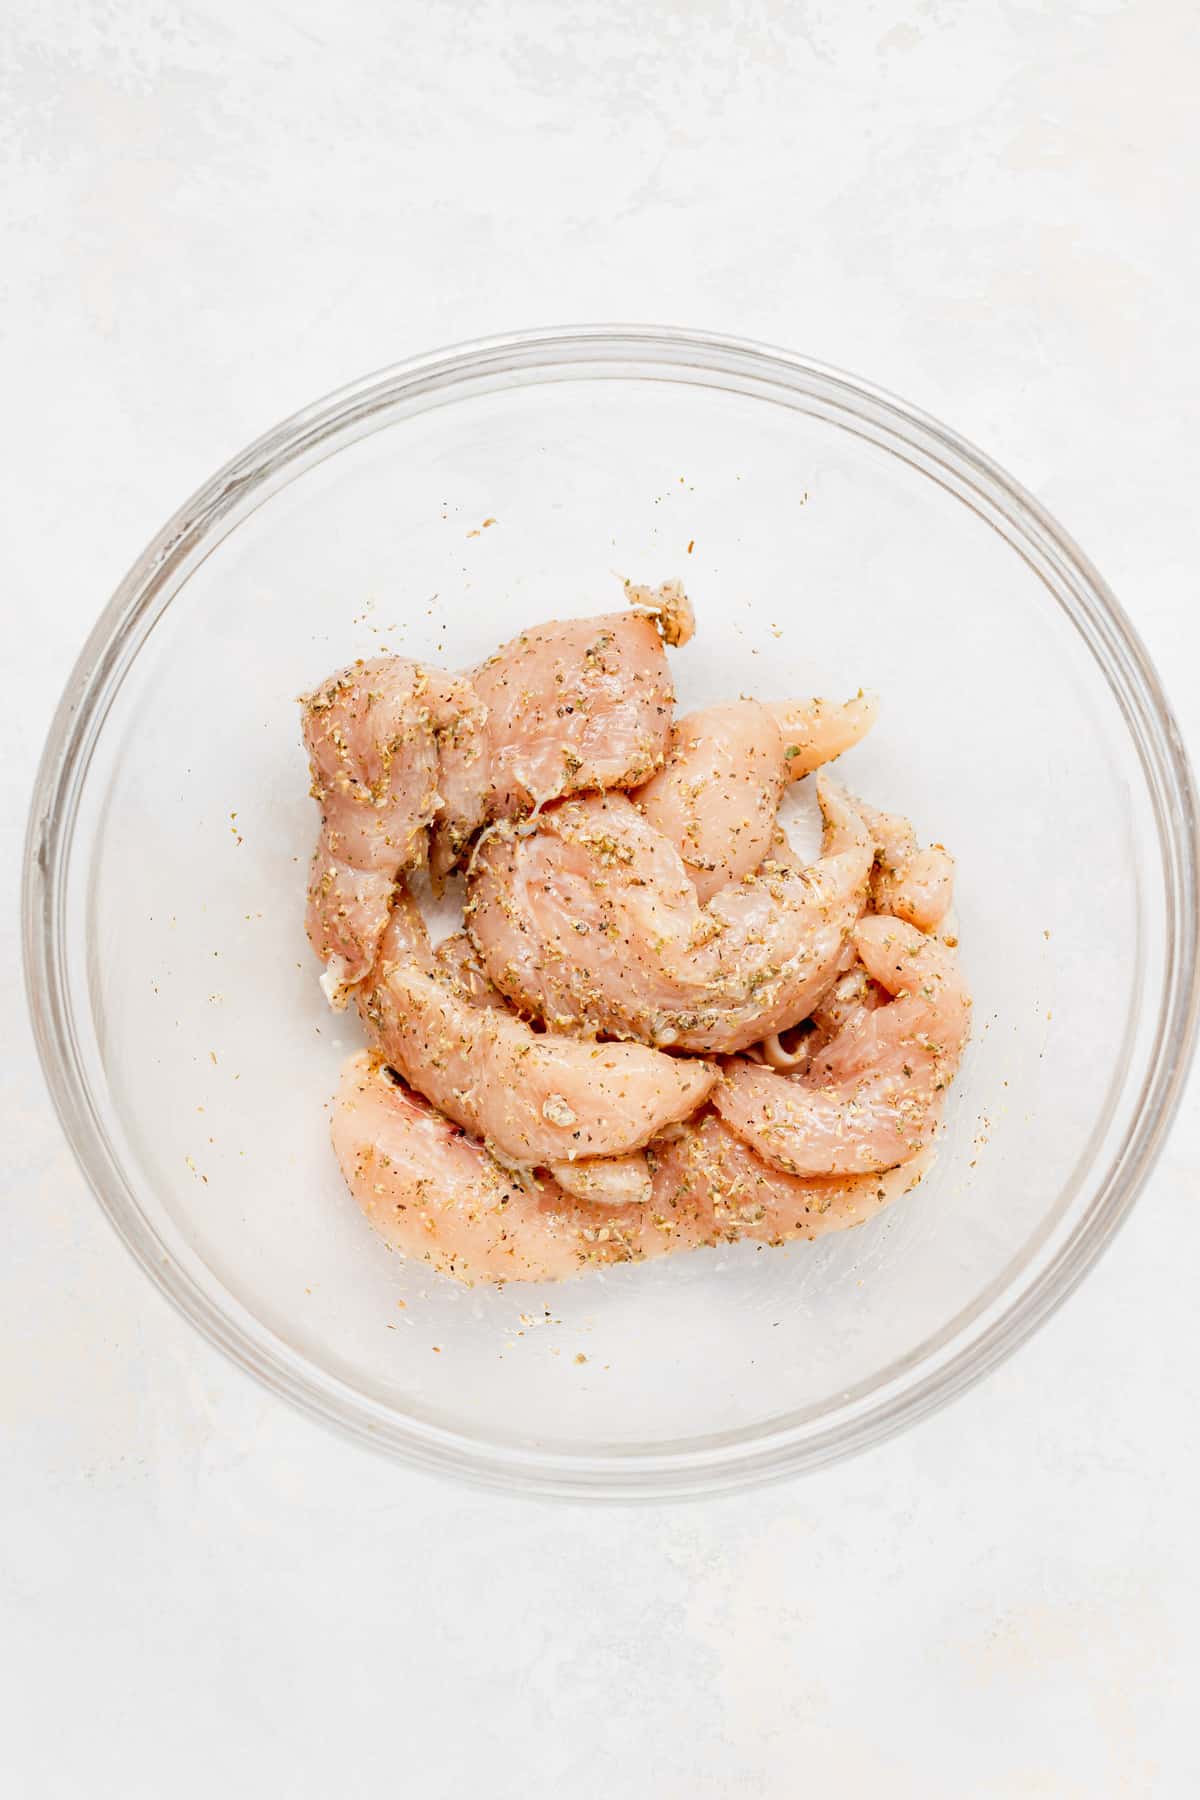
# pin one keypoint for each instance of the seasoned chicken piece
(537, 1098)
(871, 1096)
(709, 1187)
(456, 960)
(717, 797)
(907, 882)
(438, 1196)
(407, 762)
(614, 1180)
(574, 704)
(590, 920)
(815, 731)
(391, 744)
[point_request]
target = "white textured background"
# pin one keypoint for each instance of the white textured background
(217, 212)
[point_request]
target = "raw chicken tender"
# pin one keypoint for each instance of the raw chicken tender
(537, 1098)
(574, 704)
(391, 745)
(438, 1196)
(709, 1187)
(908, 882)
(717, 797)
(408, 762)
(815, 731)
(871, 1097)
(588, 918)
(615, 1180)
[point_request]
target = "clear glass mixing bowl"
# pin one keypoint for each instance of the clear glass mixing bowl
(831, 538)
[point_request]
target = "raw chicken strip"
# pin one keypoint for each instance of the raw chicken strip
(909, 883)
(616, 1180)
(574, 704)
(535, 1097)
(591, 921)
(710, 1188)
(438, 1196)
(871, 1097)
(717, 797)
(397, 748)
(435, 1194)
(815, 731)
(390, 743)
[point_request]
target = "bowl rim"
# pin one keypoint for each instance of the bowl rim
(320, 429)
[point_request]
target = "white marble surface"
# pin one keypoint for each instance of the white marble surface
(218, 211)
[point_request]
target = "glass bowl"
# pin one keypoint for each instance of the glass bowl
(831, 538)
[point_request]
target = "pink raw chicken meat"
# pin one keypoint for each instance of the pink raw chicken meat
(435, 1193)
(589, 919)
(390, 743)
(872, 1096)
(909, 883)
(717, 797)
(577, 704)
(408, 762)
(535, 1097)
